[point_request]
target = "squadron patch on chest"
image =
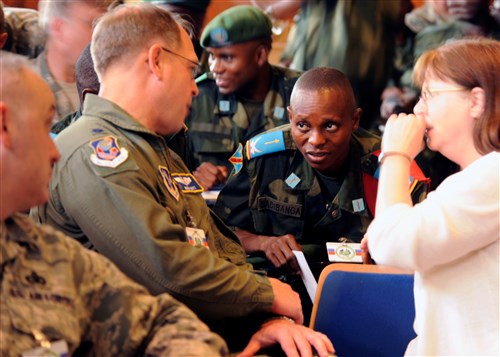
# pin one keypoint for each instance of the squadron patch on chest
(187, 182)
(286, 209)
(169, 182)
(107, 153)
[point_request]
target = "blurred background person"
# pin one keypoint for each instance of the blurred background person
(68, 26)
(20, 31)
(355, 36)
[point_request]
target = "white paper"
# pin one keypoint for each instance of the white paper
(307, 276)
(210, 195)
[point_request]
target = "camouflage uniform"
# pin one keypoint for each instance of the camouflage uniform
(258, 198)
(52, 285)
(136, 214)
(354, 36)
(218, 122)
(64, 102)
(25, 36)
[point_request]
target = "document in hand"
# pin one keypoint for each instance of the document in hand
(306, 274)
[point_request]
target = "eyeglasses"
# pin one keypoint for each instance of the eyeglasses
(427, 94)
(197, 68)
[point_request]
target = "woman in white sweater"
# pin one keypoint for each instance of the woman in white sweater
(451, 239)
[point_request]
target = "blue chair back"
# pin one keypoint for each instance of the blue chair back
(367, 312)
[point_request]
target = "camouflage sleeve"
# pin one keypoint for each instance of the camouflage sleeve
(124, 320)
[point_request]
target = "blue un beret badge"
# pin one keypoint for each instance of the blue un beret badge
(107, 153)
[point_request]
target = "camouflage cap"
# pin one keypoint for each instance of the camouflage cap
(236, 24)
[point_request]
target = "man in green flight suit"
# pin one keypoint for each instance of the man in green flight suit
(120, 189)
(243, 95)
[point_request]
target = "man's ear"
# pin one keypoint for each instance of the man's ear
(478, 102)
(262, 55)
(154, 62)
(3, 39)
(290, 113)
(355, 118)
(5, 140)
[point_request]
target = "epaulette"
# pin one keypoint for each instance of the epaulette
(265, 143)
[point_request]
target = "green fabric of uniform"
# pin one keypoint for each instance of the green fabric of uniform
(128, 215)
(237, 24)
(218, 122)
(52, 284)
(354, 36)
(320, 220)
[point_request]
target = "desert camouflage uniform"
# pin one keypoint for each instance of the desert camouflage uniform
(25, 35)
(51, 284)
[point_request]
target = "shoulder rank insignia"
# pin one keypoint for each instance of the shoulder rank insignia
(187, 182)
(266, 143)
(107, 153)
(169, 183)
(237, 159)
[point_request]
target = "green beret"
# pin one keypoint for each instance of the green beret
(236, 24)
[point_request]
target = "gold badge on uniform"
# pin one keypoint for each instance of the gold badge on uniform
(169, 182)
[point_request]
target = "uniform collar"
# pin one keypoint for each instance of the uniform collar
(11, 234)
(96, 106)
(352, 186)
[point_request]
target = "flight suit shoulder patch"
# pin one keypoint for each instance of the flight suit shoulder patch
(107, 152)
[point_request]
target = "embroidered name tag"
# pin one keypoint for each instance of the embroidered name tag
(286, 209)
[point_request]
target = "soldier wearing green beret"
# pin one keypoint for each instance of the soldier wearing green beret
(243, 94)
